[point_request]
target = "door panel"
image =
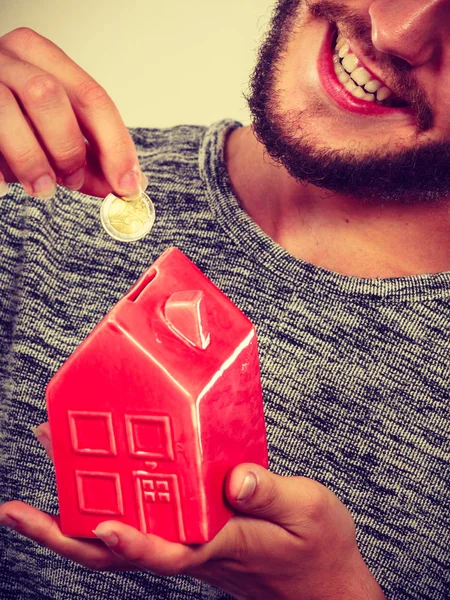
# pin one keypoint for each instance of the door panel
(159, 505)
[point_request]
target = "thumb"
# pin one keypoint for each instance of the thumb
(253, 490)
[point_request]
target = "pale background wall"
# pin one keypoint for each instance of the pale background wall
(163, 62)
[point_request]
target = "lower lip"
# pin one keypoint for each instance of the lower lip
(336, 91)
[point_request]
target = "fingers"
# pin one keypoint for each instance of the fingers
(44, 529)
(43, 435)
(43, 430)
(64, 105)
(142, 551)
(102, 125)
(25, 156)
(286, 501)
(49, 114)
(123, 547)
(149, 552)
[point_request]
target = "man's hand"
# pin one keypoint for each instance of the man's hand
(57, 124)
(290, 539)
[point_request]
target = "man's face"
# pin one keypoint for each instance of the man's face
(366, 114)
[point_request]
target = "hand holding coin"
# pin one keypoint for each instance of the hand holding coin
(58, 125)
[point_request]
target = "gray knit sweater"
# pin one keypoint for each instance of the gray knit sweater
(355, 371)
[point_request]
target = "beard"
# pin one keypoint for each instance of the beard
(420, 174)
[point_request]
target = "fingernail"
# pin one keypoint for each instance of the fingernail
(144, 182)
(4, 189)
(248, 487)
(75, 180)
(130, 183)
(44, 187)
(107, 536)
(8, 521)
(41, 437)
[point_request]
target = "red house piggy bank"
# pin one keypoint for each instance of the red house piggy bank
(156, 405)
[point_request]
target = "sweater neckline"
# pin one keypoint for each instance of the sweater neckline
(275, 260)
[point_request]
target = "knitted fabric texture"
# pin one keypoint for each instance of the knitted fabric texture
(355, 372)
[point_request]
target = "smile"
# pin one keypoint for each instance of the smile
(357, 80)
(350, 83)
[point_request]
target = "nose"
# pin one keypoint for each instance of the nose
(410, 29)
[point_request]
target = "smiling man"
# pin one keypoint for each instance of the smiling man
(327, 222)
(348, 96)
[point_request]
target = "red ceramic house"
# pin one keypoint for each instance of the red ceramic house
(155, 406)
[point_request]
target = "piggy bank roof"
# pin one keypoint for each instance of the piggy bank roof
(183, 322)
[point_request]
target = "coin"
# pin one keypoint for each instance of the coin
(127, 220)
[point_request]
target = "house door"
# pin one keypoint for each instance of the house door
(159, 505)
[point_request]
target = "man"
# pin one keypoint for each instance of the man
(326, 222)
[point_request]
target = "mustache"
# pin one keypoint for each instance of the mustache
(402, 80)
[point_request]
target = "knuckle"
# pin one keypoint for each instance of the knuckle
(271, 497)
(166, 571)
(23, 35)
(42, 88)
(25, 158)
(69, 157)
(241, 543)
(91, 95)
(95, 565)
(317, 504)
(135, 555)
(12, 505)
(173, 569)
(24, 39)
(120, 148)
(6, 98)
(101, 564)
(180, 565)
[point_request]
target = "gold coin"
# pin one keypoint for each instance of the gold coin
(127, 220)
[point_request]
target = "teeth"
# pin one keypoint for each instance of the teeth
(358, 92)
(350, 86)
(355, 79)
(361, 76)
(373, 86)
(383, 94)
(350, 62)
(344, 50)
(340, 43)
(343, 77)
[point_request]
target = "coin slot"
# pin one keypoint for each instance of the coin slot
(140, 287)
